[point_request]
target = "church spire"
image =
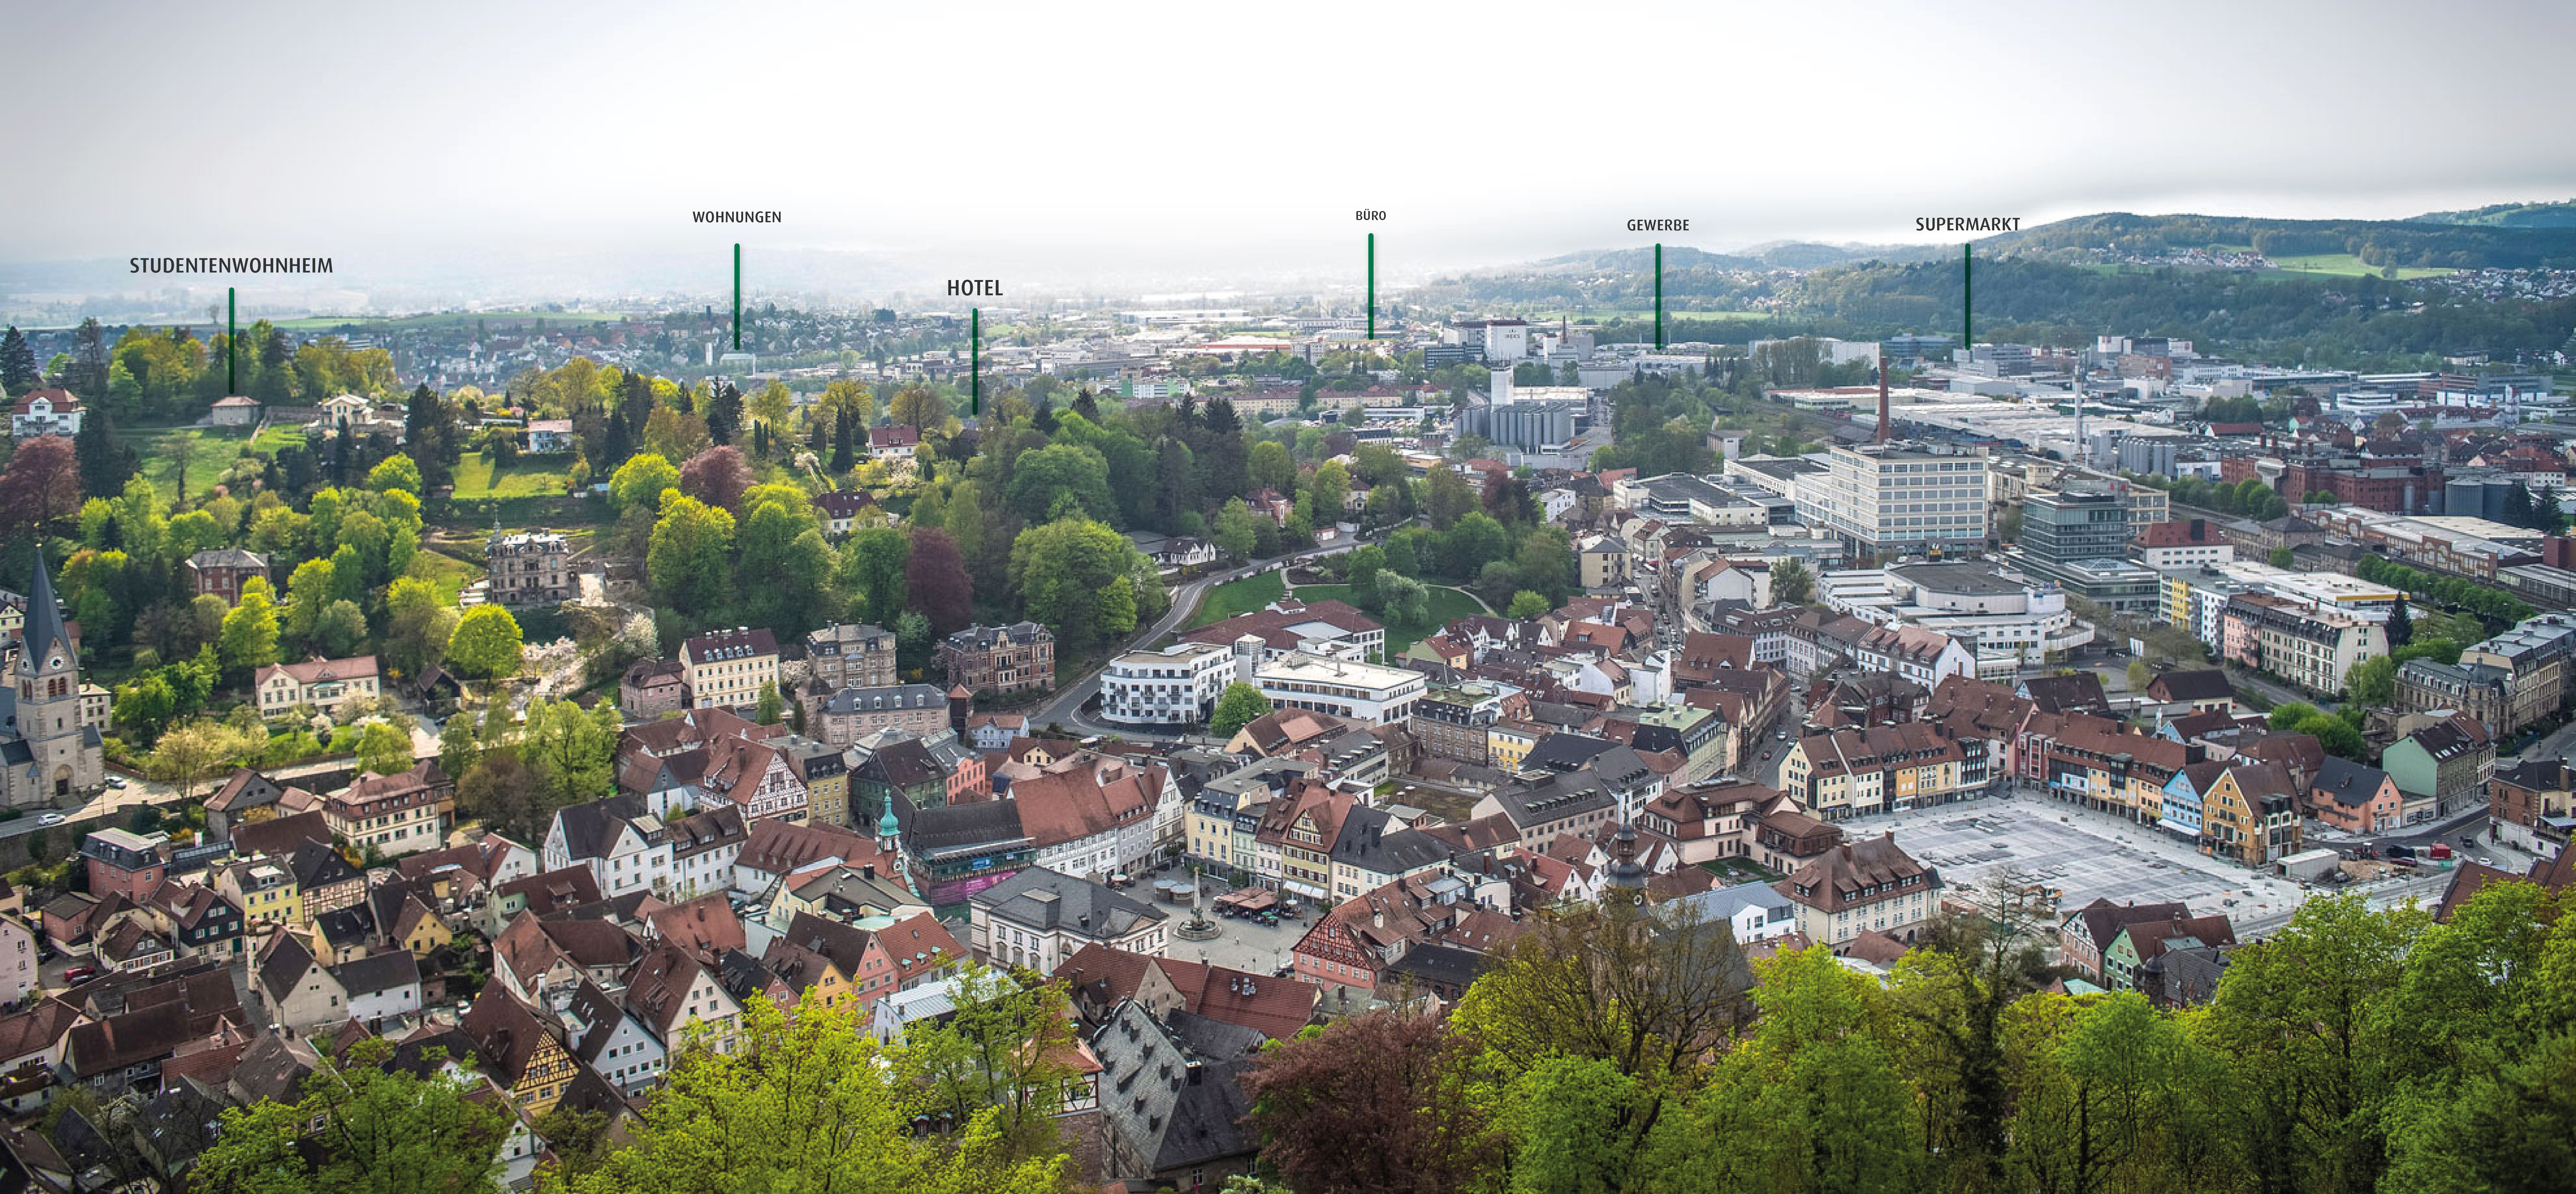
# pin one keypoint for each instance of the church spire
(1627, 878)
(44, 632)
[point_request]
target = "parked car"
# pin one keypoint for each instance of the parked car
(116, 781)
(2406, 861)
(2399, 850)
(77, 973)
(49, 818)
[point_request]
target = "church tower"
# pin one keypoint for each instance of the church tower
(52, 755)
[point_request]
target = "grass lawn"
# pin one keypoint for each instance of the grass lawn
(275, 436)
(477, 477)
(1238, 597)
(2344, 265)
(206, 453)
(449, 573)
(1447, 605)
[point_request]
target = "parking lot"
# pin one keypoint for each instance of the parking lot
(2087, 856)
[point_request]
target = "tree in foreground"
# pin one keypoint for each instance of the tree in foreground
(485, 644)
(806, 1103)
(383, 1131)
(1372, 1104)
(1648, 993)
(1007, 1052)
(1238, 706)
(1814, 1101)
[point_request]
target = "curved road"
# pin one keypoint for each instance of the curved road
(1066, 705)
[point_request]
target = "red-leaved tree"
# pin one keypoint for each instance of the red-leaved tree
(1374, 1104)
(936, 584)
(717, 477)
(41, 485)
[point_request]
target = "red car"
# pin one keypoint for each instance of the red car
(77, 973)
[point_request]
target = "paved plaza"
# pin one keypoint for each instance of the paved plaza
(2086, 855)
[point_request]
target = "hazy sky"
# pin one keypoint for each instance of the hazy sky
(1069, 141)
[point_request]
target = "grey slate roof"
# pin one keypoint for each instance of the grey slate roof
(1154, 1102)
(377, 972)
(1047, 900)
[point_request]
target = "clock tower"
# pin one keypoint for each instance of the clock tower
(48, 754)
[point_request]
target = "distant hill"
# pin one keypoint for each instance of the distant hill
(2404, 244)
(2558, 214)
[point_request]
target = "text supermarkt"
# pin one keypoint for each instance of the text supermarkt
(1967, 223)
(230, 265)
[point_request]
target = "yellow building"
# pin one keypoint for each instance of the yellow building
(1509, 743)
(1857, 773)
(265, 891)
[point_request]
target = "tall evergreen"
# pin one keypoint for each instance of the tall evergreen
(105, 461)
(2401, 625)
(89, 372)
(18, 373)
(724, 413)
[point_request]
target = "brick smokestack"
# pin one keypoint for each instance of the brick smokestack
(1880, 436)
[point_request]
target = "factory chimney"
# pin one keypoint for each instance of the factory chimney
(1880, 436)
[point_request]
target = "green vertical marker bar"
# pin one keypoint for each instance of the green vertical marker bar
(1372, 286)
(232, 342)
(737, 298)
(975, 357)
(1967, 296)
(1659, 296)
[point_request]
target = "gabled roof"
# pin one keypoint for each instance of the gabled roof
(706, 927)
(281, 835)
(506, 1035)
(2195, 684)
(2100, 921)
(387, 971)
(317, 866)
(2348, 782)
(2079, 693)
(1838, 878)
(657, 989)
(1072, 803)
(778, 847)
(553, 891)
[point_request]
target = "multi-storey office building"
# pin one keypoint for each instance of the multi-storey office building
(1897, 498)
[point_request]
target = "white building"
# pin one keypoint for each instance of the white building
(625, 848)
(1037, 918)
(46, 411)
(1896, 498)
(1756, 911)
(1177, 685)
(1506, 340)
(1363, 692)
(1924, 656)
(1971, 601)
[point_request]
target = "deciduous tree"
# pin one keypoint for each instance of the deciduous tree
(41, 486)
(805, 1103)
(717, 476)
(486, 644)
(1371, 1104)
(935, 582)
(384, 1129)
(1238, 706)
